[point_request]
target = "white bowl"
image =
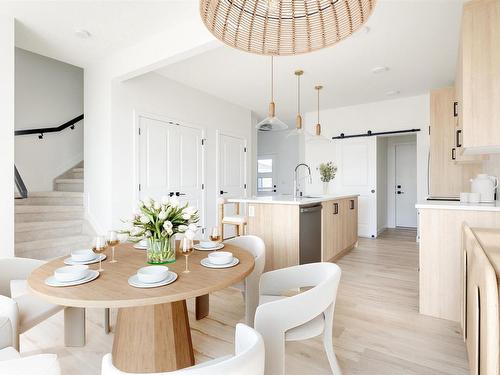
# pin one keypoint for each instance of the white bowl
(82, 255)
(71, 273)
(220, 257)
(152, 274)
(208, 244)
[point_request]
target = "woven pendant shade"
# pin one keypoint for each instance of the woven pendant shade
(284, 27)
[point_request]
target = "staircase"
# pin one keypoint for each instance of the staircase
(51, 224)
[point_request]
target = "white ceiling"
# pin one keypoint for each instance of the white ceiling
(48, 27)
(416, 39)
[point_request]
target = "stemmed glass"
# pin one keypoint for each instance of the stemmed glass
(215, 235)
(100, 246)
(186, 250)
(113, 241)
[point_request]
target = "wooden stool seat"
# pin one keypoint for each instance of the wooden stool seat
(234, 220)
(239, 221)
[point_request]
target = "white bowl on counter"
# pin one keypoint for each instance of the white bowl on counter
(152, 274)
(220, 257)
(71, 273)
(208, 244)
(82, 255)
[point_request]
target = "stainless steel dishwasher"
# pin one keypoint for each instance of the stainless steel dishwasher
(310, 234)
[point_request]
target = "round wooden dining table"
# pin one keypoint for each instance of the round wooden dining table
(152, 332)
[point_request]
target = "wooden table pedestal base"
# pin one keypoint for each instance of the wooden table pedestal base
(153, 338)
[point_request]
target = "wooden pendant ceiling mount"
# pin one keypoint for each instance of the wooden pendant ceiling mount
(284, 27)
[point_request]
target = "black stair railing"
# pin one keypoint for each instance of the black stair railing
(21, 187)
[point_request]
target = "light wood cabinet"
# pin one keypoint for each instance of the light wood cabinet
(478, 76)
(340, 227)
(447, 177)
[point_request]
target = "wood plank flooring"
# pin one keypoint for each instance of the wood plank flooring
(377, 327)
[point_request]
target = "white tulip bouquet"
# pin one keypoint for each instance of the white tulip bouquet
(159, 222)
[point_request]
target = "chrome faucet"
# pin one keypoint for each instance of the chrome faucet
(295, 180)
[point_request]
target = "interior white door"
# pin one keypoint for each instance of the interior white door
(357, 174)
(231, 172)
(406, 185)
(171, 162)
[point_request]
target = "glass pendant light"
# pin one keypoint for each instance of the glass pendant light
(298, 119)
(317, 136)
(271, 122)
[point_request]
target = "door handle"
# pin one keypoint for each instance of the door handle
(179, 193)
(171, 194)
(398, 187)
(400, 192)
(223, 192)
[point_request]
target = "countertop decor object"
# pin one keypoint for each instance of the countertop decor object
(327, 173)
(284, 27)
(152, 323)
(159, 222)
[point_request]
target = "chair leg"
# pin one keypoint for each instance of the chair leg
(330, 353)
(107, 327)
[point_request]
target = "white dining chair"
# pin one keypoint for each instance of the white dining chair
(299, 317)
(23, 309)
(11, 363)
(248, 358)
(249, 287)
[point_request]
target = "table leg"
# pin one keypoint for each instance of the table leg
(153, 338)
(74, 326)
(202, 306)
(107, 327)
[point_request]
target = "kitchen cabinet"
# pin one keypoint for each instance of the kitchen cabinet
(340, 227)
(478, 77)
(447, 176)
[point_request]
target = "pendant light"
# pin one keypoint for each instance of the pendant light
(284, 27)
(317, 136)
(271, 122)
(298, 119)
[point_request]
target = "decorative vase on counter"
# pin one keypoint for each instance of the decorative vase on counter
(161, 250)
(326, 187)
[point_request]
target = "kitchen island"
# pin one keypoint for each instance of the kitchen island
(302, 230)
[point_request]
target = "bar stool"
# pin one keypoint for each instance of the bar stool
(236, 219)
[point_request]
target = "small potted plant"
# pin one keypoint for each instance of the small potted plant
(159, 222)
(327, 172)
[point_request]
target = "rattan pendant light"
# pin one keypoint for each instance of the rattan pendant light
(298, 119)
(284, 27)
(317, 136)
(271, 122)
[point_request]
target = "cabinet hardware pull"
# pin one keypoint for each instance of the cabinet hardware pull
(455, 109)
(351, 203)
(335, 208)
(453, 154)
(459, 131)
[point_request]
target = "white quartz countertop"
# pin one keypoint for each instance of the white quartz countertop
(289, 199)
(455, 205)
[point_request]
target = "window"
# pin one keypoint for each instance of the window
(265, 175)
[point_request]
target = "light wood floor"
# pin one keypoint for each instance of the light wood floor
(377, 326)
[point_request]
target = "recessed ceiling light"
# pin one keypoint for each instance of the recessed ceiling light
(380, 69)
(82, 33)
(392, 92)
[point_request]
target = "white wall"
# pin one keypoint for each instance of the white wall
(48, 93)
(287, 156)
(382, 191)
(158, 95)
(7, 40)
(398, 114)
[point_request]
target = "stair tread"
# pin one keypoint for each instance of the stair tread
(69, 181)
(38, 225)
(27, 208)
(56, 241)
(54, 194)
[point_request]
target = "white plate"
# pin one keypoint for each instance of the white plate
(93, 274)
(71, 262)
(218, 247)
(206, 263)
(134, 281)
(140, 247)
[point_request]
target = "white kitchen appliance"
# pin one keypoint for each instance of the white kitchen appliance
(484, 185)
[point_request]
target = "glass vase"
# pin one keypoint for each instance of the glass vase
(161, 251)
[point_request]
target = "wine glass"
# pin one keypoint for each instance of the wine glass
(186, 250)
(215, 235)
(100, 246)
(112, 241)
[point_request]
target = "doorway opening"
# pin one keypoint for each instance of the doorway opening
(396, 182)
